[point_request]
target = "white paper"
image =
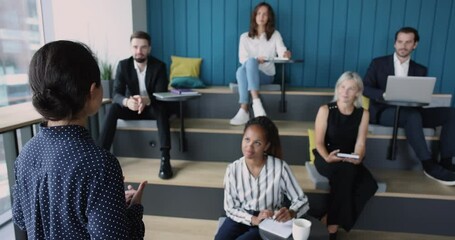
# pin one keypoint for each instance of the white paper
(280, 59)
(281, 229)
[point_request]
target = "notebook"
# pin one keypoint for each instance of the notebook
(170, 95)
(280, 229)
(183, 91)
(409, 89)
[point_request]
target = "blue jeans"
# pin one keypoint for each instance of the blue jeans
(249, 77)
(413, 120)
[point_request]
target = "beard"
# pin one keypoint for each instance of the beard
(404, 53)
(140, 59)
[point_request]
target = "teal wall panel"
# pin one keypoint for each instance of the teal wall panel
(332, 36)
(448, 71)
(311, 26)
(325, 25)
(337, 46)
(297, 42)
(155, 26)
(366, 38)
(218, 38)
(230, 40)
(192, 25)
(180, 30)
(205, 42)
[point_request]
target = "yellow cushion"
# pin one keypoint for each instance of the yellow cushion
(312, 144)
(365, 102)
(185, 67)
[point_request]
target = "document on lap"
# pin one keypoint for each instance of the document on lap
(281, 229)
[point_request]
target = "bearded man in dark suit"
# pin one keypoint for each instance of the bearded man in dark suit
(412, 119)
(137, 78)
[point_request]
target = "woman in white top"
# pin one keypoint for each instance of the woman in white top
(256, 184)
(260, 44)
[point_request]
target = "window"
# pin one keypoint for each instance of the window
(20, 36)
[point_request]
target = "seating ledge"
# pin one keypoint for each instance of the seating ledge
(322, 182)
(287, 128)
(163, 227)
(440, 99)
(210, 175)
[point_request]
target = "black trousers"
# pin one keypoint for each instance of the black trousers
(413, 120)
(152, 112)
(351, 186)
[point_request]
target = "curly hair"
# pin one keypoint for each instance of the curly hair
(271, 134)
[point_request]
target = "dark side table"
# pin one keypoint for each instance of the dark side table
(172, 97)
(284, 62)
(398, 105)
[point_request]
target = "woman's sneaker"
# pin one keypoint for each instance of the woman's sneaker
(258, 109)
(240, 118)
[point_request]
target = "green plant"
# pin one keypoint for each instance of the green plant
(105, 71)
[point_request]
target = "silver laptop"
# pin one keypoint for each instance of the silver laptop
(409, 89)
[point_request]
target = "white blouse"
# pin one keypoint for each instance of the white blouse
(242, 191)
(260, 47)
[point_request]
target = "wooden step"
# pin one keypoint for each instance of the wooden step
(412, 203)
(400, 183)
(217, 140)
(172, 228)
(300, 91)
(222, 126)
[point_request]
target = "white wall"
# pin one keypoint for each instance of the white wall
(104, 25)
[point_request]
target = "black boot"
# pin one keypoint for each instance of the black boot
(165, 168)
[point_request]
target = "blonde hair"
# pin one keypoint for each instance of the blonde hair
(349, 75)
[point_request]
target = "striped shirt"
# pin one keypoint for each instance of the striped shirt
(243, 192)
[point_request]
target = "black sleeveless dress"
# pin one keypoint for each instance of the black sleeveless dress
(351, 186)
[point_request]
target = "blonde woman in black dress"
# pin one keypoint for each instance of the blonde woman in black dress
(341, 127)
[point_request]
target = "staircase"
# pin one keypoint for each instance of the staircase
(412, 203)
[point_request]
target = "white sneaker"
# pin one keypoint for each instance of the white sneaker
(240, 118)
(257, 108)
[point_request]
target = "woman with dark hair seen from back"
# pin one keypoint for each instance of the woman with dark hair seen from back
(261, 43)
(255, 184)
(66, 186)
(341, 127)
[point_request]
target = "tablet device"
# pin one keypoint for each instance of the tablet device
(347, 155)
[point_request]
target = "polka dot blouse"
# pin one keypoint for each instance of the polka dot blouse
(69, 188)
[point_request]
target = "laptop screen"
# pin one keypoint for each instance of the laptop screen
(409, 89)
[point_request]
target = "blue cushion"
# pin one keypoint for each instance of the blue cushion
(187, 82)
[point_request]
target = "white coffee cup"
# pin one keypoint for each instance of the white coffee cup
(301, 229)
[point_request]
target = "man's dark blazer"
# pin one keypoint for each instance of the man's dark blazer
(375, 81)
(127, 84)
